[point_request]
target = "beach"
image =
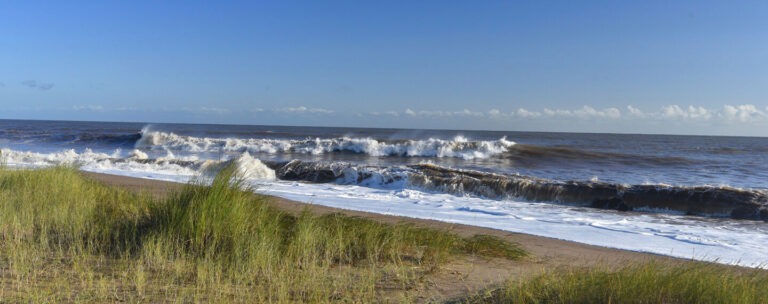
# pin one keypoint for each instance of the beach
(467, 275)
(549, 252)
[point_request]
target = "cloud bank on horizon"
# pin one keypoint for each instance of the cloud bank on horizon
(630, 119)
(687, 67)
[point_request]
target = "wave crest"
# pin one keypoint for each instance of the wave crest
(458, 147)
(252, 168)
(694, 200)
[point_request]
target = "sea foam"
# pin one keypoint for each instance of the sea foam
(252, 168)
(731, 242)
(458, 147)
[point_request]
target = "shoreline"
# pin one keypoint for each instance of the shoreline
(118, 238)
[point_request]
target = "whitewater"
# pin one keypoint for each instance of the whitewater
(488, 179)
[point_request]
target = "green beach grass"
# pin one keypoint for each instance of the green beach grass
(651, 282)
(66, 238)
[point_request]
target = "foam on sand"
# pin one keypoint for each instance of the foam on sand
(720, 241)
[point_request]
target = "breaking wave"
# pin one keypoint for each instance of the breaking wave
(458, 147)
(136, 161)
(95, 161)
(692, 200)
(697, 200)
(252, 168)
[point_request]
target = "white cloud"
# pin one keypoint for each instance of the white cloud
(585, 112)
(557, 112)
(692, 113)
(635, 112)
(93, 108)
(498, 114)
(207, 110)
(387, 113)
(433, 113)
(746, 113)
(590, 112)
(673, 112)
(728, 113)
(462, 113)
(303, 109)
(527, 114)
(467, 112)
(743, 113)
(699, 113)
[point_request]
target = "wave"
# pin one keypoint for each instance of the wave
(458, 147)
(698, 200)
(252, 168)
(95, 161)
(692, 200)
(136, 162)
(340, 172)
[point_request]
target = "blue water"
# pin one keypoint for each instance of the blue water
(617, 158)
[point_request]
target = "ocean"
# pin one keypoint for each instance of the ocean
(696, 197)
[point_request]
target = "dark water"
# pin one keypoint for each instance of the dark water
(624, 162)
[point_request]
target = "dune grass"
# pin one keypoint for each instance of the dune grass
(691, 282)
(65, 238)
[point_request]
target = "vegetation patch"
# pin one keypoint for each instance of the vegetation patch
(691, 282)
(491, 246)
(65, 238)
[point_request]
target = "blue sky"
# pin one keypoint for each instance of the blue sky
(681, 67)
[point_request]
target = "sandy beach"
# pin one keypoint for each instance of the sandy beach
(468, 274)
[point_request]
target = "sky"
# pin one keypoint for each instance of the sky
(671, 67)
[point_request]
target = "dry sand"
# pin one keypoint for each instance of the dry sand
(464, 275)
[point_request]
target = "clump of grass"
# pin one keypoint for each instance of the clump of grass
(58, 209)
(644, 283)
(491, 246)
(67, 238)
